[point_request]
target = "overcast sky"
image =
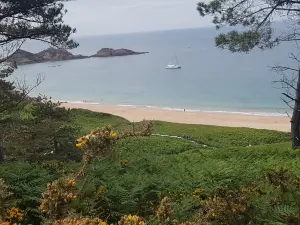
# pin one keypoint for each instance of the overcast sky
(96, 17)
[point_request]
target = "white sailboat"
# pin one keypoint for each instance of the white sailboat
(174, 64)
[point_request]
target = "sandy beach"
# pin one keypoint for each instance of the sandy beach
(136, 114)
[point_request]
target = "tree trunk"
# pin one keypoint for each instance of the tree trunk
(1, 154)
(295, 122)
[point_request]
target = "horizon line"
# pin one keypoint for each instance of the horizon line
(140, 32)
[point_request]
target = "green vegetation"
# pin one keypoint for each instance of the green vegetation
(141, 171)
(257, 19)
(89, 120)
(121, 174)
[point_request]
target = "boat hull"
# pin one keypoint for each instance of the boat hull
(173, 67)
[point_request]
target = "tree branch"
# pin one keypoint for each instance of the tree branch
(289, 97)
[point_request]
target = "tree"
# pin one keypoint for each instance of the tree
(40, 20)
(22, 20)
(253, 21)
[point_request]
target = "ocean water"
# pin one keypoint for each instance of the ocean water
(210, 79)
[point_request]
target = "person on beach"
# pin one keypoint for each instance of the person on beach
(183, 110)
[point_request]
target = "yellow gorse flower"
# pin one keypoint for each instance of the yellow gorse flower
(15, 214)
(197, 191)
(131, 220)
(102, 190)
(81, 142)
(71, 182)
(79, 221)
(113, 134)
(79, 145)
(123, 162)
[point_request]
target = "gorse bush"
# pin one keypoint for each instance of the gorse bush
(165, 212)
(56, 200)
(15, 215)
(58, 196)
(4, 199)
(80, 221)
(131, 220)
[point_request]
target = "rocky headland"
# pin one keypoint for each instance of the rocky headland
(21, 57)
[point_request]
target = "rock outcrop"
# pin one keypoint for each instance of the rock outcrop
(21, 57)
(53, 54)
(109, 52)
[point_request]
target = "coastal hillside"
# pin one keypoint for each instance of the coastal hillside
(195, 170)
(187, 135)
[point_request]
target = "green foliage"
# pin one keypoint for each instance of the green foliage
(7, 94)
(151, 163)
(4, 198)
(255, 17)
(214, 136)
(236, 42)
(26, 183)
(37, 19)
(143, 170)
(41, 131)
(19, 21)
(89, 120)
(22, 20)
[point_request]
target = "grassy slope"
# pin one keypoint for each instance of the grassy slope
(228, 160)
(166, 165)
(89, 120)
(212, 136)
(162, 165)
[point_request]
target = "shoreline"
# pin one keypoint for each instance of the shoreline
(138, 113)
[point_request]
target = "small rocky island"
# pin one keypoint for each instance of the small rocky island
(22, 57)
(109, 52)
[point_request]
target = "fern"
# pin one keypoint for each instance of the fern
(27, 182)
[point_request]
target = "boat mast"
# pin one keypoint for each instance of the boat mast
(175, 58)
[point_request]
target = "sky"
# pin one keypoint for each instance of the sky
(98, 17)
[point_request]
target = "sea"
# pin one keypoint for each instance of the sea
(210, 80)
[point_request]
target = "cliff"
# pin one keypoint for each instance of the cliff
(109, 52)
